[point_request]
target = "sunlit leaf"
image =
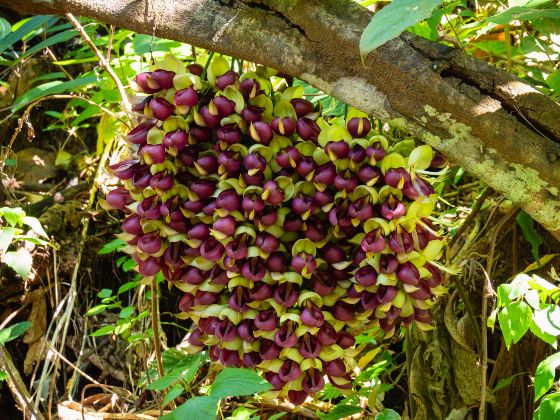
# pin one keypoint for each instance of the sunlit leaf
(197, 408)
(545, 374)
(20, 261)
(514, 321)
(234, 382)
(392, 20)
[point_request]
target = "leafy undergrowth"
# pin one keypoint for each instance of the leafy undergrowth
(76, 329)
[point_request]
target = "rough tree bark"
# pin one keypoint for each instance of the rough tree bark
(498, 128)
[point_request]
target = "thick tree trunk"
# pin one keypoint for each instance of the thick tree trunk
(494, 125)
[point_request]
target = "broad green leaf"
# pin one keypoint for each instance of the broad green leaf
(197, 408)
(173, 393)
(537, 332)
(49, 76)
(13, 215)
(553, 80)
(545, 374)
(168, 379)
(388, 414)
(242, 413)
(51, 88)
(97, 309)
(23, 30)
(55, 39)
(107, 329)
(514, 321)
(5, 28)
(3, 375)
(549, 408)
(20, 261)
(13, 331)
(277, 416)
(127, 286)
(104, 293)
(34, 224)
(392, 20)
(528, 3)
(114, 245)
(526, 223)
(235, 382)
(127, 312)
(340, 412)
(523, 13)
(6, 237)
(548, 319)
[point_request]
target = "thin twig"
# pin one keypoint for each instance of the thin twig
(409, 357)
(102, 61)
(17, 386)
(155, 326)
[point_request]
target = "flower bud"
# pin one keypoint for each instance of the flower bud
(302, 107)
(358, 127)
(283, 126)
(161, 108)
(230, 77)
(307, 129)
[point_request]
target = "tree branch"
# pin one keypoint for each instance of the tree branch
(497, 127)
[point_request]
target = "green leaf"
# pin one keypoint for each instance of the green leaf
(277, 416)
(49, 76)
(104, 293)
(547, 338)
(5, 28)
(3, 375)
(127, 312)
(107, 329)
(97, 309)
(548, 319)
(55, 39)
(392, 20)
(22, 31)
(505, 382)
(13, 215)
(114, 245)
(553, 80)
(197, 408)
(51, 88)
(545, 374)
(528, 3)
(173, 393)
(235, 382)
(522, 13)
(514, 321)
(549, 408)
(20, 261)
(168, 379)
(34, 224)
(6, 237)
(127, 286)
(340, 412)
(526, 223)
(13, 331)
(388, 414)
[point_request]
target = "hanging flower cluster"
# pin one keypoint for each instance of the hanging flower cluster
(283, 229)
